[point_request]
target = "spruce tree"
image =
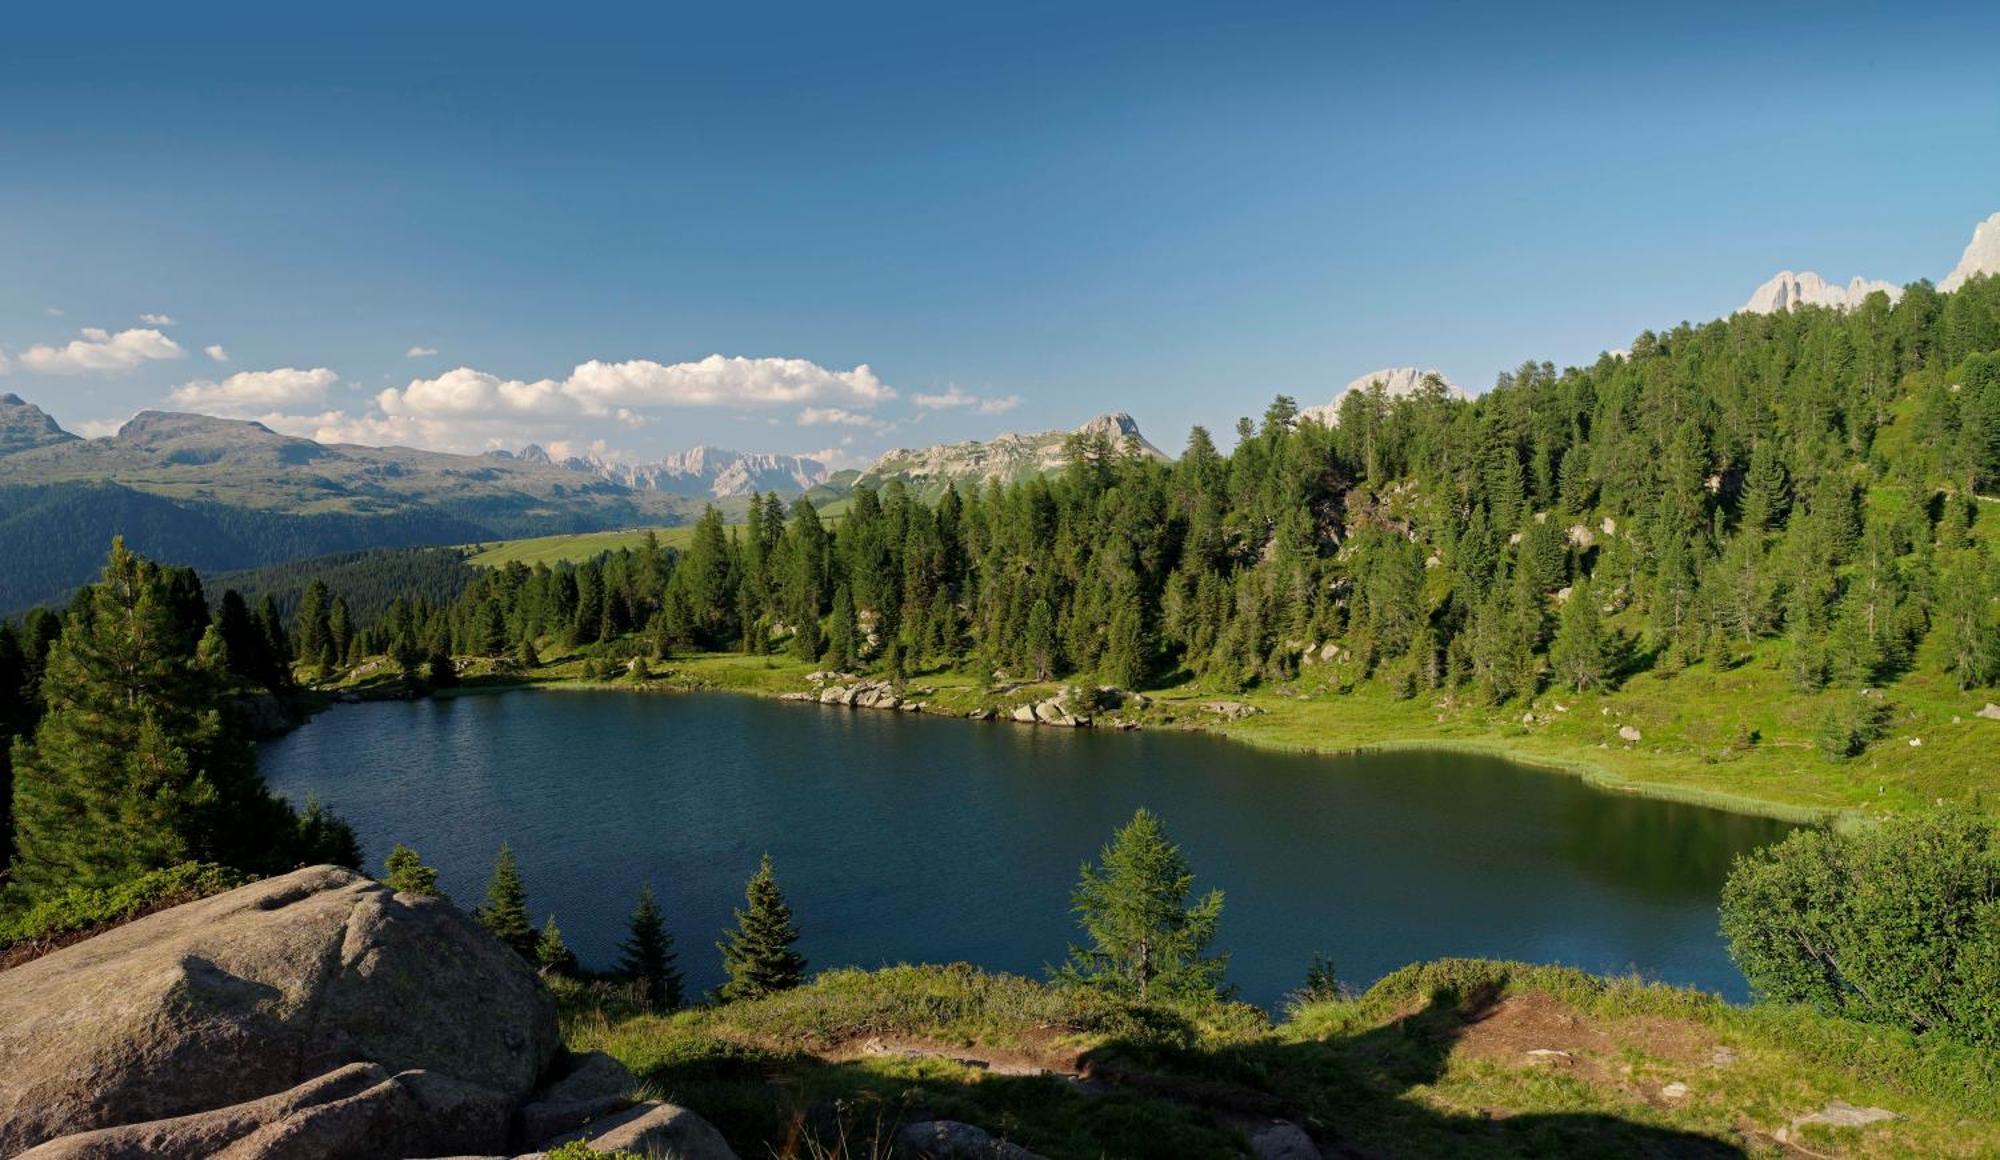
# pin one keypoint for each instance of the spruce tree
(133, 767)
(649, 957)
(1579, 656)
(758, 953)
(552, 954)
(405, 873)
(1146, 940)
(842, 632)
(506, 910)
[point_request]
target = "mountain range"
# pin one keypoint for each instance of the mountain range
(1787, 290)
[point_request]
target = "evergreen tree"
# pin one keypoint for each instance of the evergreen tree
(506, 910)
(405, 873)
(842, 632)
(132, 766)
(1579, 655)
(552, 954)
(1965, 616)
(1146, 940)
(758, 953)
(649, 957)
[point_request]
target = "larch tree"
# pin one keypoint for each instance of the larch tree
(132, 767)
(1147, 941)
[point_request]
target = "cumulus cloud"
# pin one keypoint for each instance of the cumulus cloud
(953, 397)
(466, 409)
(156, 319)
(100, 350)
(3, 362)
(251, 394)
(716, 380)
(215, 351)
(420, 352)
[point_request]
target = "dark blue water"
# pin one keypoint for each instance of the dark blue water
(909, 839)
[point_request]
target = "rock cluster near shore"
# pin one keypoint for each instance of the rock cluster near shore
(317, 1014)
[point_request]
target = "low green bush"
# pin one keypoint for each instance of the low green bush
(1895, 924)
(55, 919)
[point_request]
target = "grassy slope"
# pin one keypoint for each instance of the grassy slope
(1433, 1060)
(578, 547)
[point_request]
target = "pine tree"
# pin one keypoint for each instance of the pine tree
(842, 632)
(552, 954)
(758, 953)
(405, 873)
(1971, 643)
(649, 957)
(506, 910)
(1767, 493)
(1579, 655)
(132, 767)
(1147, 941)
(1126, 650)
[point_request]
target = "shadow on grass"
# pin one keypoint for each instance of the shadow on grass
(1354, 1094)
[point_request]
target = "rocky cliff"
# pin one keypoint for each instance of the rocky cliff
(318, 1014)
(1005, 458)
(1397, 383)
(1787, 291)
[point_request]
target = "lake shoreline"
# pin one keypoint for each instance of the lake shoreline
(1594, 774)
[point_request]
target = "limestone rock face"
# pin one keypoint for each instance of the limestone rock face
(252, 993)
(1397, 383)
(1982, 255)
(1788, 291)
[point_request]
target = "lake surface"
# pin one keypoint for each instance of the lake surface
(901, 838)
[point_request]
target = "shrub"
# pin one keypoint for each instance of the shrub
(1899, 924)
(54, 920)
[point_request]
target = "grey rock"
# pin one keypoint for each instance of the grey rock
(952, 1140)
(1841, 1114)
(1282, 1140)
(597, 1086)
(230, 999)
(1991, 712)
(1628, 733)
(653, 1129)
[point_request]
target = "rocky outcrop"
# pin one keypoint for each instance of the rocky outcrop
(1397, 383)
(1982, 255)
(654, 1129)
(303, 1015)
(1789, 291)
(1008, 458)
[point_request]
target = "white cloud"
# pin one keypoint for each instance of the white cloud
(156, 320)
(716, 380)
(420, 352)
(465, 409)
(249, 394)
(837, 416)
(467, 392)
(955, 397)
(100, 350)
(53, 311)
(3, 362)
(216, 352)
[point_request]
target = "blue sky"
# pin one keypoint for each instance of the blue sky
(1012, 218)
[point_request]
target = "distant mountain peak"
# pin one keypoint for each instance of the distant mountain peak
(24, 426)
(1786, 290)
(1397, 383)
(1982, 255)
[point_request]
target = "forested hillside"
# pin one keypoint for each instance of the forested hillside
(55, 534)
(1809, 478)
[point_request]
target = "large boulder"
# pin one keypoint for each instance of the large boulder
(653, 1129)
(251, 994)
